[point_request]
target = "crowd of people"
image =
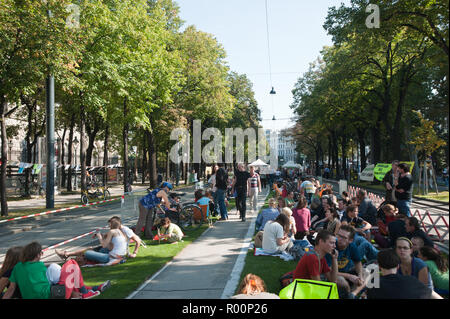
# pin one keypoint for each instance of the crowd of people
(338, 236)
(333, 237)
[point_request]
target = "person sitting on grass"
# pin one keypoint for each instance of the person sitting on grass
(267, 214)
(170, 231)
(313, 265)
(113, 246)
(342, 205)
(361, 226)
(410, 265)
(413, 230)
(302, 216)
(289, 200)
(438, 268)
(365, 248)
(395, 286)
(30, 276)
(350, 270)
(275, 239)
(131, 236)
(12, 257)
(389, 213)
(253, 287)
(333, 224)
(417, 244)
(281, 203)
(292, 227)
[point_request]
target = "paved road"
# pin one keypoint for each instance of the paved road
(54, 229)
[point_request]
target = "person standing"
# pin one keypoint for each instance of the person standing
(254, 188)
(221, 185)
(239, 187)
(390, 180)
(403, 191)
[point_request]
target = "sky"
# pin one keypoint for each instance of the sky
(296, 37)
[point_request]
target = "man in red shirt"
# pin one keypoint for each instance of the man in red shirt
(309, 268)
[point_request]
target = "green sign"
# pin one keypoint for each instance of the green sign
(380, 170)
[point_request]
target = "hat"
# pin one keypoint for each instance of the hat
(166, 184)
(53, 273)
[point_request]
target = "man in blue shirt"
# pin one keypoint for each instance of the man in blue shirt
(270, 213)
(349, 260)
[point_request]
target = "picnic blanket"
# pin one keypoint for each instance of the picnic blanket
(284, 255)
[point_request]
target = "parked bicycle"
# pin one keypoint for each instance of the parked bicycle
(185, 215)
(34, 187)
(100, 193)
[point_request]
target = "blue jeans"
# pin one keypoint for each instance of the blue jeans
(365, 248)
(404, 206)
(101, 256)
(219, 200)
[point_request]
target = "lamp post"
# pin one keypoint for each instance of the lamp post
(10, 145)
(75, 144)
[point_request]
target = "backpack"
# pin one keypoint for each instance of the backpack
(309, 289)
(297, 252)
(287, 279)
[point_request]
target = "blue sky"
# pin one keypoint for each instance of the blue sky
(296, 38)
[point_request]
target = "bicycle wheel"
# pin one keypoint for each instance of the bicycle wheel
(106, 194)
(84, 199)
(186, 218)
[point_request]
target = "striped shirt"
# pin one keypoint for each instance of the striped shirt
(254, 181)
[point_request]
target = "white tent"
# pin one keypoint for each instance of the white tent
(258, 163)
(291, 164)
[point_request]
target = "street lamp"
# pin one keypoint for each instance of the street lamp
(75, 144)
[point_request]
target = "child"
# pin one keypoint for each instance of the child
(12, 257)
(169, 231)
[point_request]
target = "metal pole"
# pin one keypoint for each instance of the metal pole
(50, 114)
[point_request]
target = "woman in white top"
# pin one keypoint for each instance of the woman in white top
(275, 238)
(114, 245)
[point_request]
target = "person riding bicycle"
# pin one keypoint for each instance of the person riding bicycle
(147, 205)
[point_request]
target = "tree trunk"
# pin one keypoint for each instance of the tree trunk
(105, 156)
(4, 158)
(344, 156)
(70, 154)
(63, 160)
(82, 147)
(125, 146)
(152, 159)
(362, 148)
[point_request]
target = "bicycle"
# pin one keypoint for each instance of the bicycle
(101, 192)
(183, 217)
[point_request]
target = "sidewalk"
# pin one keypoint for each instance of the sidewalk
(210, 267)
(38, 203)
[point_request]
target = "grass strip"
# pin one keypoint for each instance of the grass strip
(269, 268)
